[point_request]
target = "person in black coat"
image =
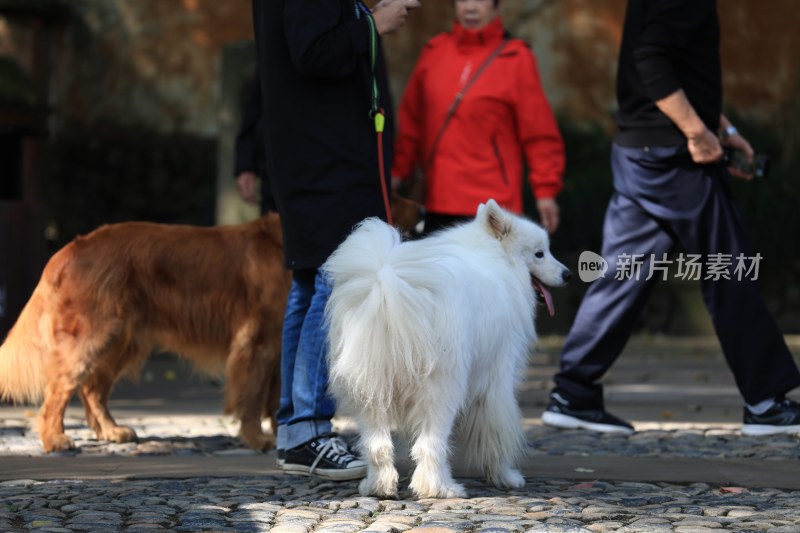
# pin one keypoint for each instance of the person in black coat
(319, 67)
(249, 164)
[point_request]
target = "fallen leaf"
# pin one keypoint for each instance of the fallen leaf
(734, 490)
(586, 485)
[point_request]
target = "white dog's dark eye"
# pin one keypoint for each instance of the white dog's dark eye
(539, 254)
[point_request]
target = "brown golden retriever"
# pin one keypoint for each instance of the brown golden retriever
(216, 296)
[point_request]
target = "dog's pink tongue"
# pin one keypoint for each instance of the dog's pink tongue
(547, 298)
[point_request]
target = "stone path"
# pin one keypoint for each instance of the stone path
(686, 414)
(288, 504)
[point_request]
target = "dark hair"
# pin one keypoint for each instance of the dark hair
(496, 2)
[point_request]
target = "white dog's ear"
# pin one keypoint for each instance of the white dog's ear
(495, 220)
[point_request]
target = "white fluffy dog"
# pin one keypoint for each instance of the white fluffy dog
(432, 336)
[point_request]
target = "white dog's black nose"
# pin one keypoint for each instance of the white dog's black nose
(566, 275)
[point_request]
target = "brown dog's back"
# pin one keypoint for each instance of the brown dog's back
(213, 295)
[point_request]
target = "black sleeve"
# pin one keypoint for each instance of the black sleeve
(667, 31)
(246, 148)
(322, 41)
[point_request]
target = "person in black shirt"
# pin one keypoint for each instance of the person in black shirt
(671, 190)
(320, 64)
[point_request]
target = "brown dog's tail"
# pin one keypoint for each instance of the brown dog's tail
(22, 356)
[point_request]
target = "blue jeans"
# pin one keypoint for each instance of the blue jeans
(305, 409)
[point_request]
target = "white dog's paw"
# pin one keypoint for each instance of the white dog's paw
(509, 478)
(454, 490)
(426, 488)
(379, 486)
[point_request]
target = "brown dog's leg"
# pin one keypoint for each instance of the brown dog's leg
(250, 368)
(94, 393)
(110, 361)
(250, 401)
(51, 416)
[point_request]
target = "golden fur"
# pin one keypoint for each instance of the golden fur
(216, 296)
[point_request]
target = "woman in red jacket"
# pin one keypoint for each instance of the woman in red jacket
(502, 117)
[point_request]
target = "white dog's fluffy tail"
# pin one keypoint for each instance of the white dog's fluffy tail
(21, 356)
(373, 310)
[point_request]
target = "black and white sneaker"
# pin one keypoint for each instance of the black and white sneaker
(326, 456)
(559, 414)
(783, 417)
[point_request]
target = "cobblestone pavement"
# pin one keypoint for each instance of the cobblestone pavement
(270, 501)
(292, 504)
(274, 502)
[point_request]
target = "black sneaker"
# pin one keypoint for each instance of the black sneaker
(326, 456)
(783, 417)
(559, 414)
(281, 457)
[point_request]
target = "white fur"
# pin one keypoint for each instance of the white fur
(434, 335)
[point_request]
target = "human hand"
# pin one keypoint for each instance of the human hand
(704, 147)
(548, 213)
(737, 142)
(247, 183)
(396, 183)
(389, 15)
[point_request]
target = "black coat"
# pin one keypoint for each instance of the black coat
(320, 143)
(249, 147)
